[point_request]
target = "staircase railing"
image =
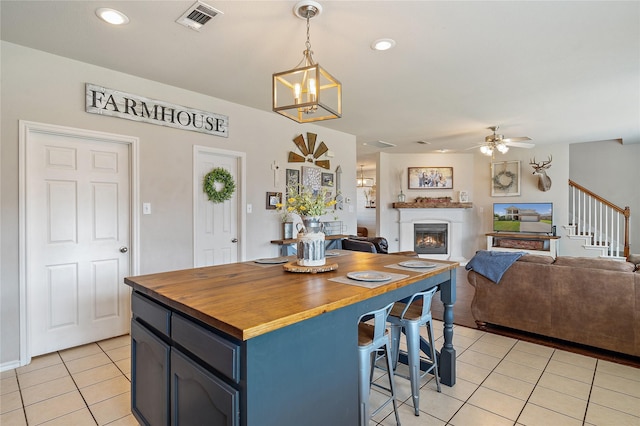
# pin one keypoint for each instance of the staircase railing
(601, 220)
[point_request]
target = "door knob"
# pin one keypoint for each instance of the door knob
(235, 240)
(123, 249)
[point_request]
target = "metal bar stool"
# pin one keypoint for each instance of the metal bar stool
(410, 316)
(373, 338)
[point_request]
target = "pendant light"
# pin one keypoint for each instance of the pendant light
(308, 92)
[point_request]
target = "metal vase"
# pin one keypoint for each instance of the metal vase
(311, 242)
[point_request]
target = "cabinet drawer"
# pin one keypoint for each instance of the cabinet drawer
(151, 313)
(219, 353)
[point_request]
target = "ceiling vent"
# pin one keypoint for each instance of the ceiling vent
(197, 15)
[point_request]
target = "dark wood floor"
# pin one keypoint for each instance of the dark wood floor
(462, 316)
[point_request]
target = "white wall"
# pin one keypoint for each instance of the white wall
(45, 88)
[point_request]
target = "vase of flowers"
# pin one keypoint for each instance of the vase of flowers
(309, 205)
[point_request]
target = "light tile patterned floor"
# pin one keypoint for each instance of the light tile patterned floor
(500, 381)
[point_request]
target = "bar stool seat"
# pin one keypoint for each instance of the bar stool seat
(409, 317)
(373, 338)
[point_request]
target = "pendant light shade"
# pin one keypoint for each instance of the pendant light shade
(307, 93)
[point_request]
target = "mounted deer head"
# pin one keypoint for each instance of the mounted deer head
(544, 181)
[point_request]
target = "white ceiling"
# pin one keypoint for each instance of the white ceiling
(556, 71)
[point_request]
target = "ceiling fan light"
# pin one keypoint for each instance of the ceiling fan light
(503, 148)
(484, 149)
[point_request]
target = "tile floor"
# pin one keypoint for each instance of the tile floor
(500, 381)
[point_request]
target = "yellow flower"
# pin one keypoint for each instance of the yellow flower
(307, 202)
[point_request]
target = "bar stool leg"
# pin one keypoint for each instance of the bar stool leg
(395, 344)
(391, 383)
(364, 385)
(412, 330)
(434, 359)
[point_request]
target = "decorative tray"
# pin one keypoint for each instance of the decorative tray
(294, 267)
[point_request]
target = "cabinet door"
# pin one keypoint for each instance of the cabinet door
(200, 398)
(149, 377)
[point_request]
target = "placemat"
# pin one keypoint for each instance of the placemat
(369, 284)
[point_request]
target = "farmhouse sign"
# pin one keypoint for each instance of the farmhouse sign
(103, 101)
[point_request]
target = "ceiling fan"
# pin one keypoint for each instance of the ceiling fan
(497, 142)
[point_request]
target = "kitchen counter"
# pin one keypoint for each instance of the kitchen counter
(291, 338)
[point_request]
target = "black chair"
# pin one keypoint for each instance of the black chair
(358, 245)
(380, 243)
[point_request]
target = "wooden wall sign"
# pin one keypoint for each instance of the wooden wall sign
(103, 101)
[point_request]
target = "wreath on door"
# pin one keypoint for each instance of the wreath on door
(225, 188)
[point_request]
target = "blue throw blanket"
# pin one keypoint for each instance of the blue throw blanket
(492, 264)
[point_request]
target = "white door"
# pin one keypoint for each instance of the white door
(216, 231)
(77, 234)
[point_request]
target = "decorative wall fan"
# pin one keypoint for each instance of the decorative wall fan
(309, 151)
(497, 142)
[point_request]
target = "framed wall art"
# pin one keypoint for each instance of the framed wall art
(292, 177)
(311, 178)
(327, 179)
(273, 199)
(505, 179)
(430, 177)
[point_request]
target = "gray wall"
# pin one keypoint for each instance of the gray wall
(45, 88)
(611, 170)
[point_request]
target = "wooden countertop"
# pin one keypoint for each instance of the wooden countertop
(246, 299)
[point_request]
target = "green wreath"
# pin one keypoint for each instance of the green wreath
(228, 185)
(497, 180)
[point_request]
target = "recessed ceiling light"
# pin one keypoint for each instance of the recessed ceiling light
(383, 44)
(112, 16)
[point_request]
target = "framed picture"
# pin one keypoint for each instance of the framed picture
(327, 179)
(293, 177)
(463, 197)
(311, 178)
(273, 199)
(430, 177)
(505, 179)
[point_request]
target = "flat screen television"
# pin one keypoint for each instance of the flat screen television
(529, 218)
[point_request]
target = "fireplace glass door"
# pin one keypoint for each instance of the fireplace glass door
(430, 238)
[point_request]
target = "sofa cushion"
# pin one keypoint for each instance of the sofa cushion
(535, 258)
(635, 259)
(596, 263)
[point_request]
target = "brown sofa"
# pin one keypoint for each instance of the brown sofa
(595, 302)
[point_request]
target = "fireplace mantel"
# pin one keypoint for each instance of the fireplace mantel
(433, 205)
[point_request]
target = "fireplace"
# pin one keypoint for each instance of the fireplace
(431, 238)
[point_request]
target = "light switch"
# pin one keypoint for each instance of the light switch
(146, 208)
(249, 208)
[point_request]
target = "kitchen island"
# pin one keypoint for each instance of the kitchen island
(252, 344)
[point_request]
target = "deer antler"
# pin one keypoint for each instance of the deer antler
(545, 164)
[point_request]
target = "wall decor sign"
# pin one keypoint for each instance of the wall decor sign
(505, 179)
(102, 101)
(430, 177)
(273, 199)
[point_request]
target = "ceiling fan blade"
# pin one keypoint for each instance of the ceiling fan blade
(520, 139)
(474, 147)
(521, 144)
